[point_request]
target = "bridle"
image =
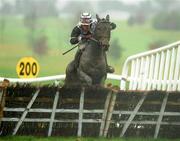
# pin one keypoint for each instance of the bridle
(105, 36)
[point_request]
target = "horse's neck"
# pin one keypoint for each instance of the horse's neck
(94, 49)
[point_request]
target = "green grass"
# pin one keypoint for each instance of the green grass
(136, 39)
(30, 138)
(133, 39)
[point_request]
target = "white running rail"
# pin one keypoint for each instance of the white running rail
(50, 78)
(31, 80)
(158, 69)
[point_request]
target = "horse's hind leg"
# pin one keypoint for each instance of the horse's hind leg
(85, 79)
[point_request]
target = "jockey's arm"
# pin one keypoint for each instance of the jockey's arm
(75, 35)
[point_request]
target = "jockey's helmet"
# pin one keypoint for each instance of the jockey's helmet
(85, 19)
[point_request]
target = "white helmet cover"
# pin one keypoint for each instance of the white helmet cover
(85, 18)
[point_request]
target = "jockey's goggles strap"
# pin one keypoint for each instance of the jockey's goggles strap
(86, 20)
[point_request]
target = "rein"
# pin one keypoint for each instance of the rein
(93, 39)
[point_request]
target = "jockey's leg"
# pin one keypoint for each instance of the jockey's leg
(70, 67)
(78, 54)
(77, 58)
(109, 69)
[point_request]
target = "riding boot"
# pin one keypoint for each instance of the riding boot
(77, 58)
(109, 69)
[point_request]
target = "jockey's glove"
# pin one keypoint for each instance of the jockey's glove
(79, 38)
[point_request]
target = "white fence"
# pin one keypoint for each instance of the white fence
(158, 69)
(120, 111)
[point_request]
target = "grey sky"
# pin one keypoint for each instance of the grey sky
(62, 3)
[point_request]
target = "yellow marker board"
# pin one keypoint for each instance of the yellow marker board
(27, 67)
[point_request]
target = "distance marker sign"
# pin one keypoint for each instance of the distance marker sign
(27, 67)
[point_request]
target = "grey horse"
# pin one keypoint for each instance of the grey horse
(92, 64)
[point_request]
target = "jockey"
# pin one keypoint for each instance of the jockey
(81, 33)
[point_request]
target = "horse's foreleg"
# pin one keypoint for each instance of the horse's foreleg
(84, 77)
(103, 80)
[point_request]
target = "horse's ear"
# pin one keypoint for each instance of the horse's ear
(107, 18)
(97, 17)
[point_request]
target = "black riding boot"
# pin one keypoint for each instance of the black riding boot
(77, 58)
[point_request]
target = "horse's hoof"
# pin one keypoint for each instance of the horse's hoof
(110, 69)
